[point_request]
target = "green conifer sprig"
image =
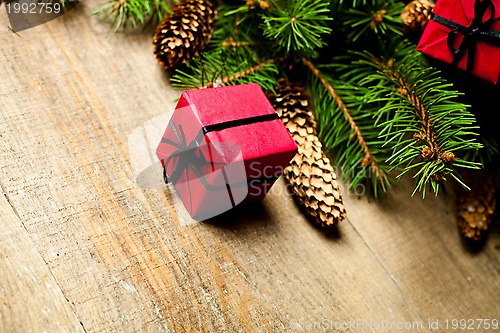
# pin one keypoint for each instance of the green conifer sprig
(432, 142)
(338, 4)
(128, 14)
(416, 115)
(348, 130)
(216, 70)
(375, 18)
(297, 25)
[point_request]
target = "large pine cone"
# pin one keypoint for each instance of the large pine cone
(312, 178)
(475, 208)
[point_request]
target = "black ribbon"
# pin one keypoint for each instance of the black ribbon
(191, 156)
(478, 30)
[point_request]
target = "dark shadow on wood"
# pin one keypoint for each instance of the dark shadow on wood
(474, 247)
(247, 216)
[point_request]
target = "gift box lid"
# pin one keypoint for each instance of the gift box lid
(203, 108)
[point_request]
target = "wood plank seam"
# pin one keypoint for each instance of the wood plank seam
(386, 269)
(11, 205)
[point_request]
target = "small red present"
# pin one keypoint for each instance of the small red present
(224, 146)
(465, 34)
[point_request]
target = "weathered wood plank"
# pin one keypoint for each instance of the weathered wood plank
(31, 299)
(419, 244)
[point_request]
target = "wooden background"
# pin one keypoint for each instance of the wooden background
(86, 247)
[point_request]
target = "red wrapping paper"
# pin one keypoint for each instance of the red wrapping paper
(242, 159)
(434, 40)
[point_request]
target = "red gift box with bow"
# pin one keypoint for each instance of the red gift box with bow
(223, 146)
(465, 34)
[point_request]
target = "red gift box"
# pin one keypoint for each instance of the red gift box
(465, 34)
(223, 146)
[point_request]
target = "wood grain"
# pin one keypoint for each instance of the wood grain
(105, 251)
(31, 297)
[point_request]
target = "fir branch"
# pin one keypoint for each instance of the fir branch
(297, 25)
(238, 34)
(375, 18)
(350, 3)
(126, 14)
(422, 121)
(340, 103)
(427, 134)
(231, 43)
(231, 79)
(214, 70)
(358, 160)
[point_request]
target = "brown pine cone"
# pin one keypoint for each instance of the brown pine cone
(310, 174)
(416, 15)
(475, 208)
(264, 5)
(183, 34)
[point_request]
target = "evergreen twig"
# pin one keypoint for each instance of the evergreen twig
(126, 14)
(237, 76)
(367, 158)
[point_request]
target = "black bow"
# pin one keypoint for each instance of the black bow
(478, 30)
(190, 156)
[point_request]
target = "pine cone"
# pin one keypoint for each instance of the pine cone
(475, 208)
(416, 15)
(310, 174)
(264, 5)
(182, 35)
